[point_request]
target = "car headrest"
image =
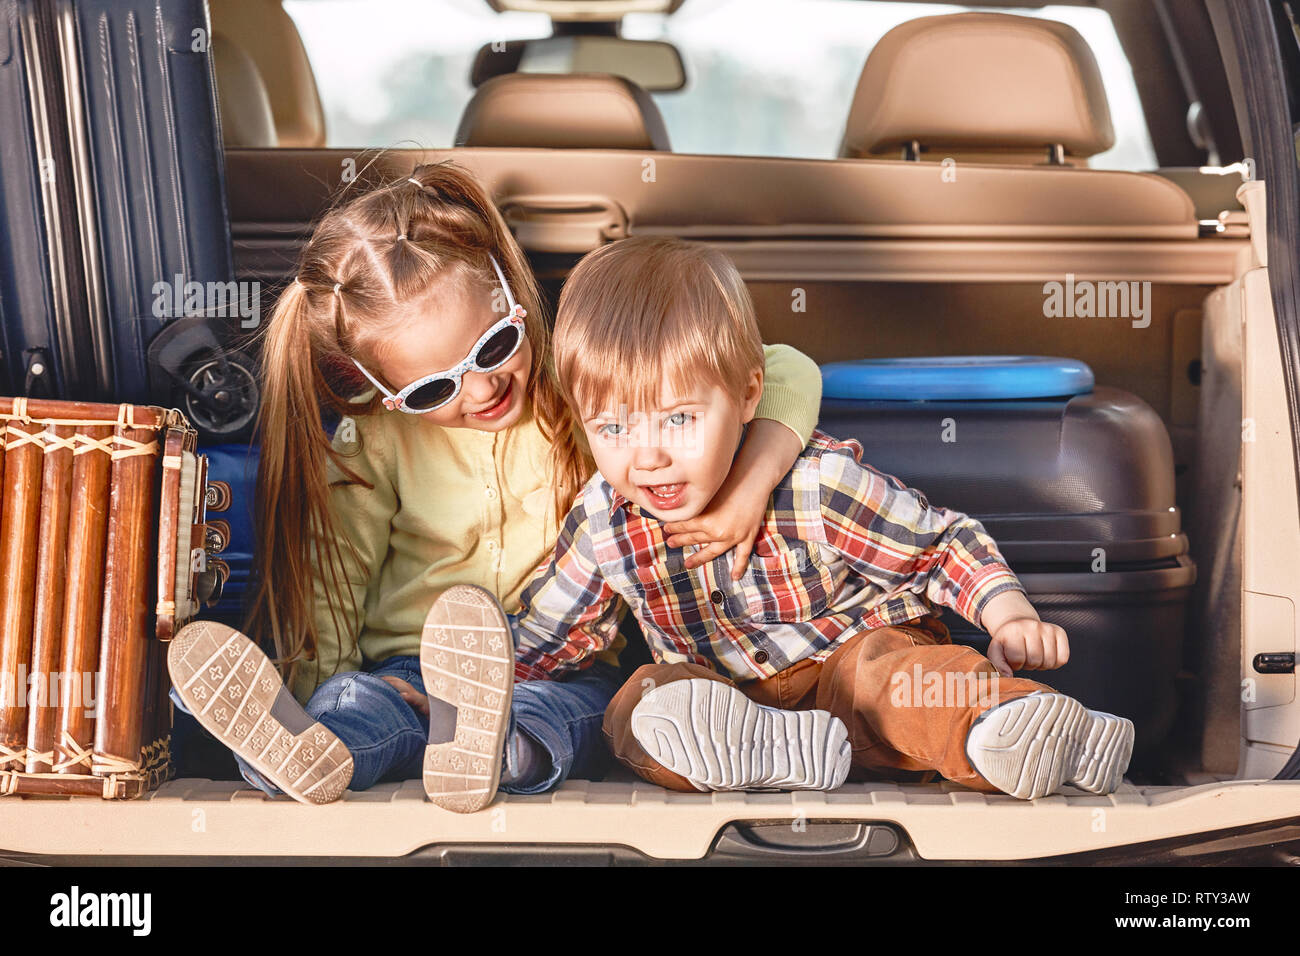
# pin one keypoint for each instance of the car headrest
(267, 34)
(564, 111)
(979, 83)
(246, 118)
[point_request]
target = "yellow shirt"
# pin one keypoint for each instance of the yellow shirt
(462, 506)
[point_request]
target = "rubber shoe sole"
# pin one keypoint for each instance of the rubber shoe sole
(1032, 746)
(235, 693)
(718, 739)
(467, 659)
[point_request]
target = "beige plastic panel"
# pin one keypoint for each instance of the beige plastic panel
(1267, 621)
(1271, 524)
(764, 197)
(977, 259)
(204, 818)
(1270, 515)
(857, 220)
(1262, 760)
(1251, 195)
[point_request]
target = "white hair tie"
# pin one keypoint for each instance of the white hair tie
(337, 286)
(415, 182)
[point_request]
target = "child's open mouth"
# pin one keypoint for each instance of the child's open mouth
(666, 497)
(497, 410)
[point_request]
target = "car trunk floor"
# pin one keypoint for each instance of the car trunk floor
(219, 819)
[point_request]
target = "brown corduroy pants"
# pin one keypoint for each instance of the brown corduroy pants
(907, 695)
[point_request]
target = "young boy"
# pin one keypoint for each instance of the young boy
(785, 672)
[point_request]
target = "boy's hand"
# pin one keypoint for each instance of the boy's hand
(1028, 644)
(734, 516)
(409, 694)
(1020, 640)
(731, 520)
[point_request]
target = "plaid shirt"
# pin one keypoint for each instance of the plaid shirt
(843, 548)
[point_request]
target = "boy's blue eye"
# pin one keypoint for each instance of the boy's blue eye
(678, 419)
(609, 430)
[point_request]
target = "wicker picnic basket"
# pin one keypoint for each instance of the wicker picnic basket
(104, 554)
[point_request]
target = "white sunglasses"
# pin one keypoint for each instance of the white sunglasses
(496, 347)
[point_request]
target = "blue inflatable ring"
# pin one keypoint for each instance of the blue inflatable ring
(956, 378)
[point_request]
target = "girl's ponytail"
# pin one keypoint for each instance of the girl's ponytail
(293, 497)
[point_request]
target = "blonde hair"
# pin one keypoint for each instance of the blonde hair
(365, 259)
(646, 311)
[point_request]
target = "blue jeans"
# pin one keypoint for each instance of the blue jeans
(387, 737)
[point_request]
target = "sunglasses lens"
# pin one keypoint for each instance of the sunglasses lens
(431, 395)
(498, 348)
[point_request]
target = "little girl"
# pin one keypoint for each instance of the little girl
(456, 468)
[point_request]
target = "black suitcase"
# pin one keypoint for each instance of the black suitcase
(156, 170)
(42, 289)
(1078, 492)
(116, 276)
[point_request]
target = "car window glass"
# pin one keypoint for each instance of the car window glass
(764, 77)
(395, 73)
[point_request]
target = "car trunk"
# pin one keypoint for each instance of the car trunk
(842, 265)
(196, 821)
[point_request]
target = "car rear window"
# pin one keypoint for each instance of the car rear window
(764, 77)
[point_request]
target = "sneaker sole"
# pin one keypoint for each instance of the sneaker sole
(467, 655)
(1031, 746)
(230, 686)
(718, 739)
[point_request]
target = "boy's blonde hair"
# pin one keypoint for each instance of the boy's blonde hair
(648, 311)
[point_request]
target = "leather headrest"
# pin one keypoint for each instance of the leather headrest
(565, 111)
(267, 34)
(246, 118)
(987, 83)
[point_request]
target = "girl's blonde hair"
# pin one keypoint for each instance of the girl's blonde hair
(649, 311)
(365, 260)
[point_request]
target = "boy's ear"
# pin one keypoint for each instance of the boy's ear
(753, 392)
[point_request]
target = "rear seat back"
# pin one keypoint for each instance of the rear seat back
(564, 111)
(979, 87)
(246, 116)
(268, 36)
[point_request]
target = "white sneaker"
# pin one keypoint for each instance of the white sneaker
(1031, 746)
(718, 739)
